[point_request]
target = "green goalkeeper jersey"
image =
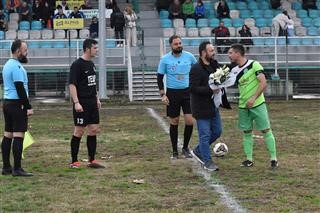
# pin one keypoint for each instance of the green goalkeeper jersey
(248, 83)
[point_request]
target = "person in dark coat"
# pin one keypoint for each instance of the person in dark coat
(245, 32)
(202, 105)
(94, 27)
(223, 10)
(117, 22)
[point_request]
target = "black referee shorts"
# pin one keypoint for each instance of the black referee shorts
(178, 98)
(90, 114)
(15, 116)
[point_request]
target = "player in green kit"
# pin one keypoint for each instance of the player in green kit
(252, 107)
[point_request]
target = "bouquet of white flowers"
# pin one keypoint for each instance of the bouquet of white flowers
(219, 76)
(218, 80)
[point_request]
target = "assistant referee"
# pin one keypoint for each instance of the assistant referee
(16, 108)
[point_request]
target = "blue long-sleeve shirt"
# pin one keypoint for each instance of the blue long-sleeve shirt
(200, 10)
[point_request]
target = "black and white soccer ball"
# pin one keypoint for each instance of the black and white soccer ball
(220, 149)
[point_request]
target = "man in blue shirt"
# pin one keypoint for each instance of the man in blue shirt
(176, 66)
(16, 108)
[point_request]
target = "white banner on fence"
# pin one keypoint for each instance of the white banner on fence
(88, 14)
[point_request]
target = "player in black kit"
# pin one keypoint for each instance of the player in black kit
(86, 103)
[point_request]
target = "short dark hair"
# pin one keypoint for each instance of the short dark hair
(203, 46)
(173, 37)
(239, 48)
(59, 7)
(88, 43)
(16, 44)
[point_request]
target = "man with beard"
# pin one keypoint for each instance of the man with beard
(16, 108)
(176, 66)
(202, 105)
(86, 104)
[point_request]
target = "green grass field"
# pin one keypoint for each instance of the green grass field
(133, 146)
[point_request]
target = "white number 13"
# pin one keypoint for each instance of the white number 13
(79, 120)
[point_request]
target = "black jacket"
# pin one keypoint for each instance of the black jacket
(117, 20)
(202, 105)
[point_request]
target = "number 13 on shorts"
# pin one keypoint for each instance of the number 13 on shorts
(80, 121)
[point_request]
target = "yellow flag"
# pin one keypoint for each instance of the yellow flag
(27, 141)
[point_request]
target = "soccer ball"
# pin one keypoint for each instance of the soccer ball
(220, 149)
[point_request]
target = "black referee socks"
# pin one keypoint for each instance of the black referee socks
(5, 150)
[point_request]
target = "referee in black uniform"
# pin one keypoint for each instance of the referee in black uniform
(86, 103)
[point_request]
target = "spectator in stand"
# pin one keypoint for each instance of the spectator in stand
(117, 22)
(3, 24)
(86, 5)
(94, 27)
(1, 5)
(13, 5)
(162, 5)
(131, 30)
(223, 10)
(221, 31)
(112, 4)
(37, 9)
(2, 15)
(64, 5)
(24, 11)
(245, 32)
(275, 4)
(309, 4)
(199, 10)
(60, 13)
(188, 9)
(280, 24)
(175, 10)
(47, 15)
(76, 13)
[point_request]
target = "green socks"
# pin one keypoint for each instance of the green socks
(248, 145)
(271, 144)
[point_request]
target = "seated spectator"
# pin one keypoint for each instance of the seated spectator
(13, 5)
(94, 27)
(76, 13)
(24, 12)
(2, 15)
(47, 15)
(245, 32)
(199, 10)
(221, 31)
(117, 22)
(37, 9)
(86, 5)
(162, 5)
(223, 10)
(275, 4)
(188, 9)
(280, 23)
(175, 10)
(309, 4)
(3, 25)
(60, 13)
(64, 5)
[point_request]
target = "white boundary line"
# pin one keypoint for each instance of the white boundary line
(224, 194)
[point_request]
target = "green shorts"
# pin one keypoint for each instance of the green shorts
(257, 115)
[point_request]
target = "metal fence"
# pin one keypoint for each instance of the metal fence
(292, 65)
(50, 60)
